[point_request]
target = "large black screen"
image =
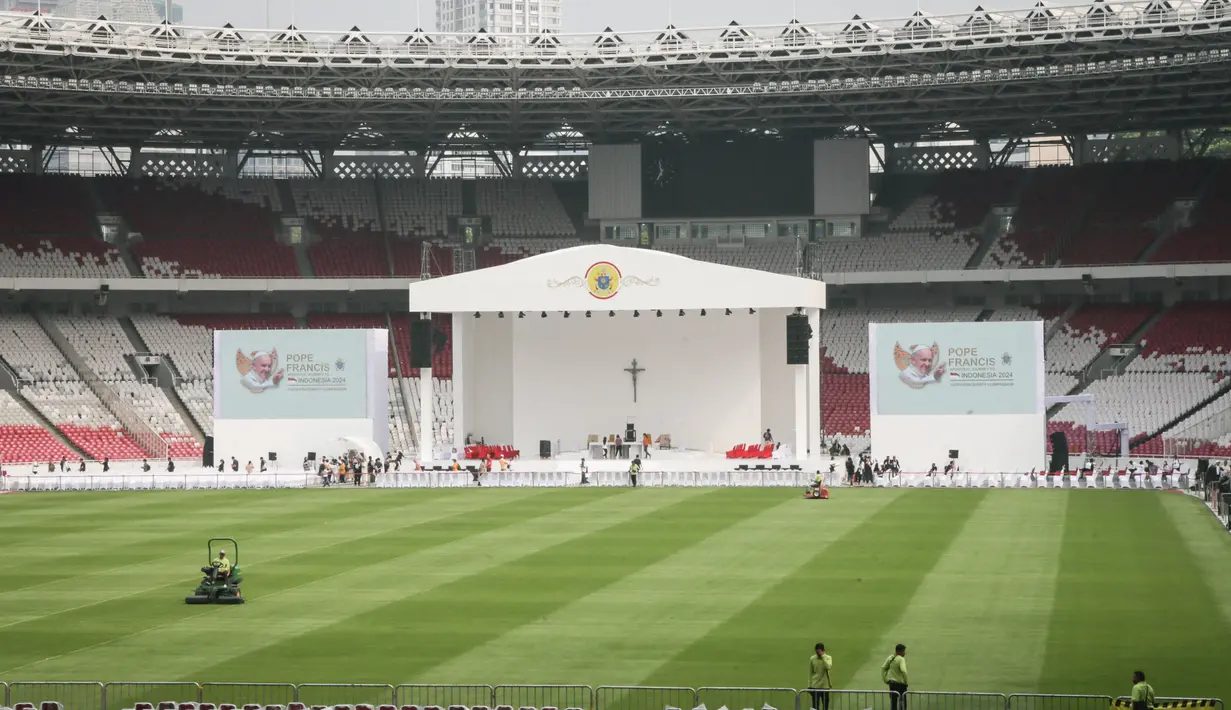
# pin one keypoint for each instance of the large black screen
(748, 178)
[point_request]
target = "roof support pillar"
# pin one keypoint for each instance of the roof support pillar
(329, 161)
(1077, 148)
(34, 162)
(230, 163)
(135, 161)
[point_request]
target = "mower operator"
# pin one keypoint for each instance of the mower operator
(222, 566)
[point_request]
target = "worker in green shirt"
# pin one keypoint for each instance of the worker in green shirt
(894, 674)
(1143, 694)
(633, 470)
(818, 678)
(222, 566)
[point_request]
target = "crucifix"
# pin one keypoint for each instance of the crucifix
(634, 371)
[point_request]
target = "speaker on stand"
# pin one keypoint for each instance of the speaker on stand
(544, 448)
(1059, 452)
(420, 343)
(207, 453)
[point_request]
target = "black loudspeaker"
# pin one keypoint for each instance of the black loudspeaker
(1059, 452)
(544, 449)
(421, 343)
(273, 455)
(1204, 474)
(798, 333)
(953, 453)
(630, 432)
(207, 453)
(311, 455)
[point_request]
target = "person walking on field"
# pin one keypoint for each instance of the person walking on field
(1143, 695)
(819, 683)
(894, 675)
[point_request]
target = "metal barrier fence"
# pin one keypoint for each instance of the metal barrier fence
(1030, 701)
(331, 694)
(845, 700)
(70, 696)
(953, 701)
(624, 697)
(126, 695)
(544, 696)
(241, 694)
(736, 698)
(444, 696)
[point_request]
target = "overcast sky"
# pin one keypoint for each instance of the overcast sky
(579, 15)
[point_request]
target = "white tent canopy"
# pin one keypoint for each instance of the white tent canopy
(543, 350)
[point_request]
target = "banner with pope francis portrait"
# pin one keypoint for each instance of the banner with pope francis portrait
(291, 374)
(956, 368)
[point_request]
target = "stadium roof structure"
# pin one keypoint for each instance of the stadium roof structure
(1094, 68)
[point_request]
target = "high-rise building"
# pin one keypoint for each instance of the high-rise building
(499, 16)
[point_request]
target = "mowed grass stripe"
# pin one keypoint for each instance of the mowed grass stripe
(1208, 543)
(108, 594)
(670, 603)
(979, 620)
(847, 595)
(304, 593)
(21, 513)
(1129, 597)
(454, 619)
(181, 530)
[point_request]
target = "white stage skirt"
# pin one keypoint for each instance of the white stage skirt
(207, 479)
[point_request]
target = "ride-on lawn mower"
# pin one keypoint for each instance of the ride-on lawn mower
(218, 587)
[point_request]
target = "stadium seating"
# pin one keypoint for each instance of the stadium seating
(1185, 359)
(504, 250)
(22, 439)
(523, 208)
(103, 345)
(408, 258)
(1091, 329)
(773, 255)
(72, 215)
(420, 208)
(188, 208)
(215, 257)
(59, 257)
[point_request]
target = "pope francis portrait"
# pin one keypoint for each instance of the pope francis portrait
(918, 365)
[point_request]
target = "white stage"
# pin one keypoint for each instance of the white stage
(544, 350)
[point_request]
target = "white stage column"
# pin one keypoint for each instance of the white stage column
(814, 387)
(801, 410)
(425, 414)
(461, 341)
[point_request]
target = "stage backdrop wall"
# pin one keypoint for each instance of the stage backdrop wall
(983, 394)
(294, 391)
(701, 382)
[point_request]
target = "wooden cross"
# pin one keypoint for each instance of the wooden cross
(634, 371)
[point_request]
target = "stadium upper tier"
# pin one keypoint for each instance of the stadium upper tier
(1132, 64)
(1100, 214)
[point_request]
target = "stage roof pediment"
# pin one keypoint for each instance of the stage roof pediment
(612, 278)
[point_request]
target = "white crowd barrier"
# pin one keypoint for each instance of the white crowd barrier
(204, 479)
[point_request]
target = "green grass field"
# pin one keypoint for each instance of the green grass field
(1005, 591)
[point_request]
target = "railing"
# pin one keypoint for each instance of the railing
(277, 696)
(207, 479)
(967, 28)
(1190, 437)
(141, 432)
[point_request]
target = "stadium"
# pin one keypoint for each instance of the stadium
(292, 294)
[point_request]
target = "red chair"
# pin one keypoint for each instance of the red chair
(736, 452)
(767, 451)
